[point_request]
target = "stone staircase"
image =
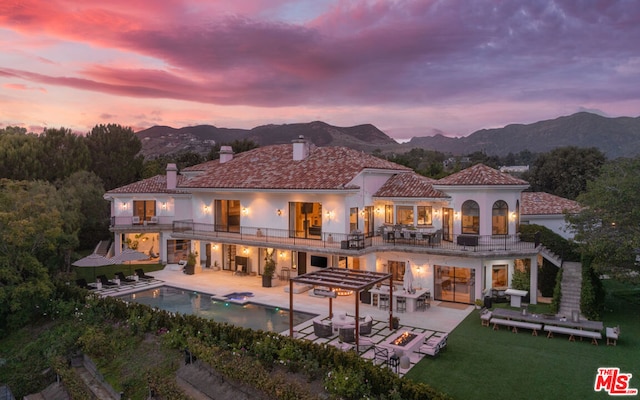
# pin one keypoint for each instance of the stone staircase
(571, 286)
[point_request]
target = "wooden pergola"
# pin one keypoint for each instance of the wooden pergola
(332, 279)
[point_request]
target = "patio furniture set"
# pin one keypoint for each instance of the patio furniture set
(573, 327)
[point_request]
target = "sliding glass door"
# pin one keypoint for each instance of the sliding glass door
(454, 284)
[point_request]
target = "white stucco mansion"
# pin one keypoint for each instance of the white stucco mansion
(312, 207)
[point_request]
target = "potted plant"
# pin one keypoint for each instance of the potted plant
(479, 304)
(268, 271)
(189, 269)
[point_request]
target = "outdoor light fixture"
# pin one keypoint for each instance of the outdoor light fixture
(245, 211)
(245, 250)
(362, 213)
(283, 254)
(163, 205)
(206, 209)
(512, 216)
(329, 214)
(279, 212)
(378, 211)
(456, 215)
(124, 206)
(215, 247)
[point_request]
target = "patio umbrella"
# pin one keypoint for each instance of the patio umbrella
(93, 261)
(408, 278)
(129, 255)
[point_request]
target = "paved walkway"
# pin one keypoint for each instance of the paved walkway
(436, 320)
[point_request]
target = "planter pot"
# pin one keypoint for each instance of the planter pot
(266, 281)
(395, 324)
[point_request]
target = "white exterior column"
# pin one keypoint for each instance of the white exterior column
(117, 244)
(533, 288)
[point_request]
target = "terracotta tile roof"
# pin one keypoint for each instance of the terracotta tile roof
(540, 203)
(273, 167)
(156, 184)
(480, 175)
(409, 185)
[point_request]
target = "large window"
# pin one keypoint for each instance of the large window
(144, 209)
(227, 216)
(353, 219)
(470, 217)
(424, 215)
(396, 269)
(368, 221)
(388, 214)
(404, 215)
(499, 218)
(305, 220)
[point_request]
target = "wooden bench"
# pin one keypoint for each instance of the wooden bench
(594, 336)
(485, 317)
(612, 335)
(514, 325)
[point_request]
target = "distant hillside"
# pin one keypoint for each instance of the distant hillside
(159, 140)
(615, 137)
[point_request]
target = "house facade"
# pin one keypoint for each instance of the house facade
(313, 207)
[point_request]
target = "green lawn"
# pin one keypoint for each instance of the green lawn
(480, 363)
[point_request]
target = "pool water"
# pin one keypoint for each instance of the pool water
(249, 315)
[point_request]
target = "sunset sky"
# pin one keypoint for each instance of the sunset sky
(411, 68)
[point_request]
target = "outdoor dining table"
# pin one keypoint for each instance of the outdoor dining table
(548, 319)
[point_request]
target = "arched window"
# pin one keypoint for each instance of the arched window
(470, 217)
(500, 218)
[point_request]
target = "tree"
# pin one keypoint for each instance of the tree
(565, 171)
(30, 226)
(86, 213)
(608, 228)
(20, 155)
(63, 153)
(115, 155)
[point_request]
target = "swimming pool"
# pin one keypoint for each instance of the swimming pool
(249, 315)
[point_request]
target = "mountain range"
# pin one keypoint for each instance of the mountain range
(615, 137)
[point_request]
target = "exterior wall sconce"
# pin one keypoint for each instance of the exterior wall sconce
(124, 206)
(362, 213)
(456, 215)
(215, 247)
(378, 211)
(436, 213)
(245, 211)
(329, 214)
(245, 250)
(512, 216)
(163, 205)
(279, 212)
(206, 209)
(283, 254)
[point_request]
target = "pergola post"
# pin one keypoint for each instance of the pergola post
(391, 302)
(357, 329)
(290, 308)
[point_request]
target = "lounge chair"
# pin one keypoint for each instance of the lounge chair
(106, 282)
(366, 326)
(124, 279)
(83, 284)
(322, 329)
(347, 334)
(142, 275)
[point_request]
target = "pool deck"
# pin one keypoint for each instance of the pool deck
(436, 320)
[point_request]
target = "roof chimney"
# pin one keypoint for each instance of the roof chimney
(226, 154)
(172, 176)
(300, 148)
